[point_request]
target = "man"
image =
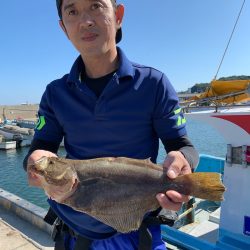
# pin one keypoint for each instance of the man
(109, 106)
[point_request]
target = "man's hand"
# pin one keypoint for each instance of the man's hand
(175, 164)
(33, 179)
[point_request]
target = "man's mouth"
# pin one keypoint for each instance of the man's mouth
(89, 37)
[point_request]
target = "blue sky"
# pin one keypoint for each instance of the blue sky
(184, 39)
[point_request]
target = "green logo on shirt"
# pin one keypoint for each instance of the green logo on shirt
(41, 122)
(180, 120)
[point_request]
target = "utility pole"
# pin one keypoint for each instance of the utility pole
(4, 117)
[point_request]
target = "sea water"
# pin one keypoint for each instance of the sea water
(13, 177)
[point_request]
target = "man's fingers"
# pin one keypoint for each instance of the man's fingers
(173, 171)
(172, 200)
(165, 202)
(32, 175)
(177, 197)
(176, 164)
(33, 179)
(38, 154)
(186, 170)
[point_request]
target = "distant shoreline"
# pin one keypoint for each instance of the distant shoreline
(25, 111)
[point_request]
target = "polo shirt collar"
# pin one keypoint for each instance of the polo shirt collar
(125, 68)
(74, 74)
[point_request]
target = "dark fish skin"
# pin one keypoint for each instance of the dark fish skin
(119, 191)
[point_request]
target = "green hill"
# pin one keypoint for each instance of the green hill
(230, 78)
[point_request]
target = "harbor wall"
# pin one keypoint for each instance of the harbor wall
(26, 111)
(25, 210)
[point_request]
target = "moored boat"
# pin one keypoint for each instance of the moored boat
(26, 124)
(227, 227)
(5, 145)
(10, 135)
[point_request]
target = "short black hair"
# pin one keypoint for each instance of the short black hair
(118, 37)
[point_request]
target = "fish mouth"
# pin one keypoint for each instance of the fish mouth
(33, 170)
(37, 162)
(37, 166)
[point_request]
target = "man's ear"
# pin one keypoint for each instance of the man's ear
(63, 28)
(119, 15)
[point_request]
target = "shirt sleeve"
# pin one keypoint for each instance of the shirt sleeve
(168, 119)
(185, 146)
(48, 127)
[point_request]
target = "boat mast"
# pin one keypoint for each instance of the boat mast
(229, 40)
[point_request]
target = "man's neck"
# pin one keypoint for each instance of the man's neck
(99, 66)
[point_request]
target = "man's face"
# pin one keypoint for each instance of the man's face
(90, 25)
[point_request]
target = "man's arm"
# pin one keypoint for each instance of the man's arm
(182, 158)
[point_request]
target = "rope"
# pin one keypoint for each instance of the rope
(229, 40)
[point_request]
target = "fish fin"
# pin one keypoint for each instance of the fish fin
(124, 218)
(203, 185)
(122, 224)
(148, 160)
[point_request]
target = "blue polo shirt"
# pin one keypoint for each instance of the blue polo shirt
(137, 108)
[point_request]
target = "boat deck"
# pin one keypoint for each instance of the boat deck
(204, 228)
(15, 233)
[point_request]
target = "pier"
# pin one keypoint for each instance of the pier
(21, 224)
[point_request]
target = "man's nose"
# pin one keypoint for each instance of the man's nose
(86, 20)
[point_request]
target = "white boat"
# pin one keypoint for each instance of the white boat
(10, 135)
(8, 145)
(228, 226)
(16, 133)
(233, 122)
(22, 136)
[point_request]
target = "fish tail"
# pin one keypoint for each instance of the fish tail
(203, 185)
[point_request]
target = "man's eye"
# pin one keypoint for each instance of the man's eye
(95, 6)
(72, 12)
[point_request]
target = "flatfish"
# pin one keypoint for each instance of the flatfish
(118, 191)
